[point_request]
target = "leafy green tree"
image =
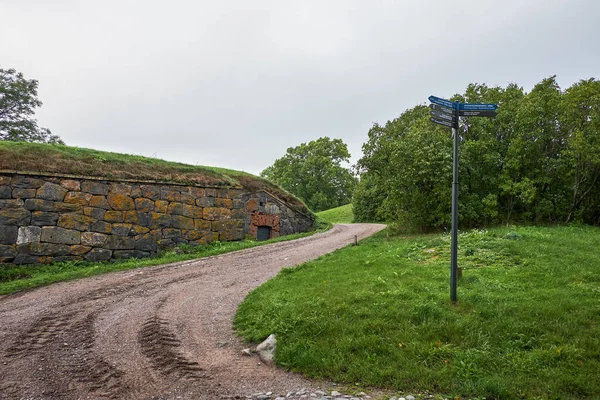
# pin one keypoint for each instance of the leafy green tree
(537, 161)
(18, 101)
(313, 171)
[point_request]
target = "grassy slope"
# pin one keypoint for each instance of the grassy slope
(338, 215)
(527, 323)
(35, 157)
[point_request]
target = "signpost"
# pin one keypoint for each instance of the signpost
(447, 113)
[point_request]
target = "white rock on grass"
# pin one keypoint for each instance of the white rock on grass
(266, 350)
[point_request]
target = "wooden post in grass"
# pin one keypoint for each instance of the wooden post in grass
(355, 240)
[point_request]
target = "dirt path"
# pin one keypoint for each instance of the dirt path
(160, 332)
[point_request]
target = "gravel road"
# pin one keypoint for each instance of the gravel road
(160, 332)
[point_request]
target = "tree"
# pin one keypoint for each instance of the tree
(313, 172)
(18, 101)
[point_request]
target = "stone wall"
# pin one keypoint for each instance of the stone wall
(48, 218)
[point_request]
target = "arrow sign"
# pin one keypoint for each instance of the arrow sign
(482, 113)
(442, 102)
(477, 106)
(448, 117)
(444, 122)
(435, 107)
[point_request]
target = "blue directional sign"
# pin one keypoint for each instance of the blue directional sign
(477, 106)
(443, 102)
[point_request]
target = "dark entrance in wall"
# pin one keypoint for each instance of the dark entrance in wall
(263, 232)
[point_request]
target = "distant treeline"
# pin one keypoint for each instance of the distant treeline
(538, 161)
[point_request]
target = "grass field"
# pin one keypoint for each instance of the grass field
(338, 215)
(526, 325)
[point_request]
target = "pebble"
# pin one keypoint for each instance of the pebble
(316, 395)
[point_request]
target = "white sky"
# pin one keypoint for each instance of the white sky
(235, 83)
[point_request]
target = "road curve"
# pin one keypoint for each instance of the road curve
(159, 332)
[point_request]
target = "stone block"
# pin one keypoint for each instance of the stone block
(161, 206)
(80, 198)
(93, 239)
(122, 254)
(101, 227)
(144, 205)
(26, 182)
(5, 192)
(8, 234)
(205, 202)
(229, 235)
(78, 222)
(145, 243)
(136, 191)
(39, 205)
(175, 208)
(44, 249)
(114, 242)
(23, 258)
(118, 201)
(193, 235)
(211, 192)
(137, 218)
(99, 255)
(170, 233)
(227, 203)
(202, 225)
(159, 221)
(120, 229)
(139, 230)
(181, 222)
(238, 204)
(120, 188)
(114, 216)
(216, 213)
(94, 187)
(51, 191)
(61, 207)
(192, 211)
(29, 234)
(5, 180)
(93, 212)
(99, 201)
(187, 198)
(43, 218)
(15, 216)
(150, 191)
(165, 244)
(54, 234)
(170, 194)
(19, 193)
(196, 192)
(12, 203)
(7, 252)
(79, 250)
(70, 184)
(252, 205)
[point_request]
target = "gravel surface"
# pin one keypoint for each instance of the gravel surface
(160, 332)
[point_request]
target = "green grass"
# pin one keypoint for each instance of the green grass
(14, 278)
(60, 159)
(526, 325)
(338, 215)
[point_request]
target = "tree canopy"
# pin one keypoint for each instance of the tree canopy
(18, 101)
(537, 161)
(314, 173)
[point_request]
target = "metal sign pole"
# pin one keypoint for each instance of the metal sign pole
(454, 248)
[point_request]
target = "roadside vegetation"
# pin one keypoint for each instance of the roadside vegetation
(526, 325)
(338, 215)
(14, 278)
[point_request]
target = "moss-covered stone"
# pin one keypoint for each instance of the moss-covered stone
(144, 205)
(93, 239)
(15, 216)
(43, 218)
(94, 187)
(99, 254)
(114, 216)
(51, 191)
(78, 222)
(19, 193)
(216, 213)
(80, 198)
(118, 201)
(99, 201)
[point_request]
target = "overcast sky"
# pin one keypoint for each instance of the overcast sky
(235, 83)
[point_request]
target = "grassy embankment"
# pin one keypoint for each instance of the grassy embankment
(526, 325)
(42, 158)
(338, 215)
